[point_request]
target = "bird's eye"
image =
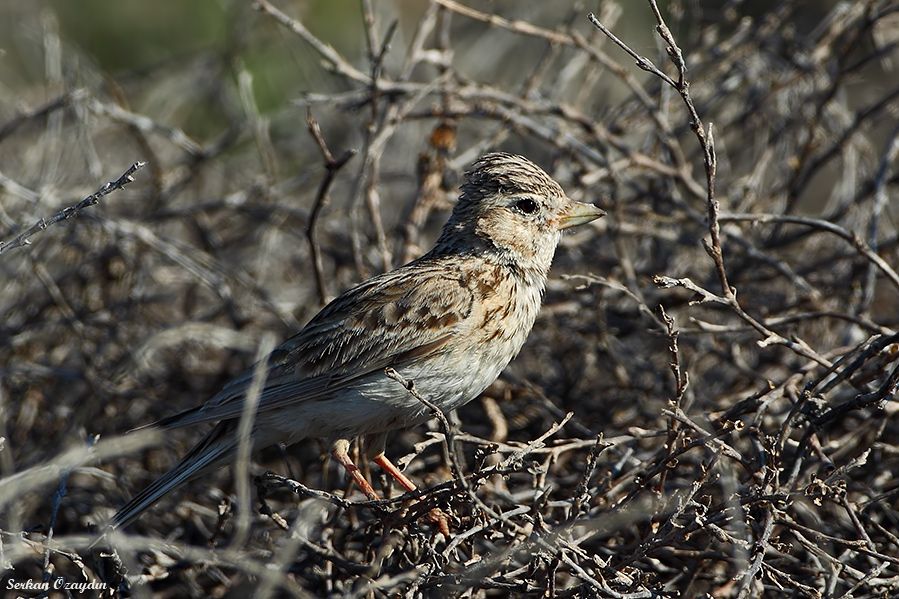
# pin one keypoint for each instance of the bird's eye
(526, 205)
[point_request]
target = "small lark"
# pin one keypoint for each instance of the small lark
(450, 321)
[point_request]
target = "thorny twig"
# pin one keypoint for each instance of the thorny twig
(332, 165)
(710, 162)
(24, 238)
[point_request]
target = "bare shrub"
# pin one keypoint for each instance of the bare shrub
(707, 401)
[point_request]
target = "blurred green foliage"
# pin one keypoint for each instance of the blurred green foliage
(131, 35)
(130, 39)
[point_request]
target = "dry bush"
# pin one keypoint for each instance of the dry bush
(705, 406)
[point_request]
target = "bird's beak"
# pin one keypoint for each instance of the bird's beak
(580, 214)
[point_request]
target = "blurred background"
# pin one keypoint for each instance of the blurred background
(148, 302)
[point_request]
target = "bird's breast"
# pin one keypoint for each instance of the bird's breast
(506, 315)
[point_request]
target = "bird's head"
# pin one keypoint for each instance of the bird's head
(512, 209)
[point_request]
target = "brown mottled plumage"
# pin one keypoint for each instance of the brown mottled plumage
(450, 321)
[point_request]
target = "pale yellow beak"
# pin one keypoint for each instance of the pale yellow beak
(580, 214)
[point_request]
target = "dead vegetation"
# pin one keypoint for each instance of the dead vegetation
(706, 404)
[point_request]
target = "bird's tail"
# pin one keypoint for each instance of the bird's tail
(217, 445)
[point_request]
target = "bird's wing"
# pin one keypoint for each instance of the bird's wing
(388, 321)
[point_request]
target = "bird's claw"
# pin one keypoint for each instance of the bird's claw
(438, 516)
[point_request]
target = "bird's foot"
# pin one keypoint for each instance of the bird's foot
(439, 518)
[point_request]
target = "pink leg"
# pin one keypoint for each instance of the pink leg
(391, 469)
(436, 515)
(340, 451)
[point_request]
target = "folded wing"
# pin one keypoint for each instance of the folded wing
(385, 322)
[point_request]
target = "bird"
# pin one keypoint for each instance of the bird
(449, 322)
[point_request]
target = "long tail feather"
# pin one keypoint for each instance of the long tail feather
(169, 422)
(218, 444)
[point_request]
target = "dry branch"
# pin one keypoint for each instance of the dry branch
(24, 238)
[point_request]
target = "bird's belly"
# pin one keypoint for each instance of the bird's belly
(377, 403)
(446, 381)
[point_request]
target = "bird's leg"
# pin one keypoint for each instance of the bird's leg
(436, 515)
(375, 450)
(391, 469)
(340, 451)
